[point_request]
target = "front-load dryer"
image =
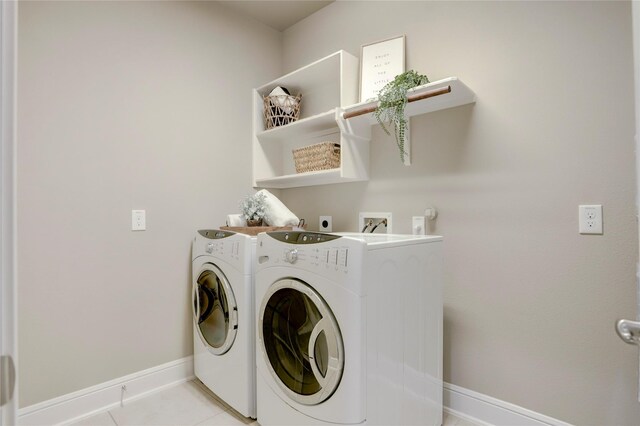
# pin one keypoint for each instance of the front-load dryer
(223, 316)
(348, 329)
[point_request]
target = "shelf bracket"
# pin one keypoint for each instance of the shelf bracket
(356, 115)
(357, 130)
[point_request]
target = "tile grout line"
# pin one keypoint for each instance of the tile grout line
(222, 404)
(112, 418)
(209, 394)
(211, 417)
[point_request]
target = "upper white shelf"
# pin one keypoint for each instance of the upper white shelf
(442, 94)
(319, 76)
(326, 86)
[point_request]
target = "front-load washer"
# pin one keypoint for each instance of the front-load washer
(223, 316)
(348, 329)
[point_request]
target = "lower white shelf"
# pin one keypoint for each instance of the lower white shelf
(321, 177)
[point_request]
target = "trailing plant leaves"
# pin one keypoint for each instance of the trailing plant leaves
(392, 100)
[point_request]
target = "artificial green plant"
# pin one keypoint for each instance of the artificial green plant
(392, 100)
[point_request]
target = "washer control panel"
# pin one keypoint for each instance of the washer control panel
(291, 256)
(331, 255)
(334, 257)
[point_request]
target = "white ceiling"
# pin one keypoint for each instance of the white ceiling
(277, 14)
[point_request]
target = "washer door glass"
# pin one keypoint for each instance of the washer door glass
(215, 310)
(301, 341)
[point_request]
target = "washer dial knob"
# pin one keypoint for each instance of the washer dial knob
(291, 256)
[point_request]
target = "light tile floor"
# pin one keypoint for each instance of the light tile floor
(188, 404)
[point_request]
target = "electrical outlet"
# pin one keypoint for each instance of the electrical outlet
(138, 220)
(324, 224)
(590, 219)
(375, 222)
(418, 225)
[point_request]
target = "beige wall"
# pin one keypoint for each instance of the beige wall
(131, 105)
(124, 105)
(529, 303)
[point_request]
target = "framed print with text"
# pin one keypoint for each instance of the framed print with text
(380, 62)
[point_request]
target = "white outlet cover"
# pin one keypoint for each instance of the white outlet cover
(590, 219)
(325, 224)
(138, 220)
(418, 225)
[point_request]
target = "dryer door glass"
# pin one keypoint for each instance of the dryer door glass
(215, 310)
(302, 342)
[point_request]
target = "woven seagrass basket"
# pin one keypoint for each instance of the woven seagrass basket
(280, 110)
(320, 156)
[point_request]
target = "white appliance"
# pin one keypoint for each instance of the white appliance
(349, 329)
(223, 316)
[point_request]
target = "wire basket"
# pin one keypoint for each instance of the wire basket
(280, 110)
(320, 156)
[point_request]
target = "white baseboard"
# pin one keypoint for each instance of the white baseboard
(87, 402)
(464, 403)
(485, 410)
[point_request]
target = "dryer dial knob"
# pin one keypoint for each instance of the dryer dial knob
(291, 256)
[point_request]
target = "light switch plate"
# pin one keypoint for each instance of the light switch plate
(590, 219)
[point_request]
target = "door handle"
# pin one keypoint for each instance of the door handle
(629, 331)
(313, 339)
(7, 379)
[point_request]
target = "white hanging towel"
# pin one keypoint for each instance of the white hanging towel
(236, 220)
(277, 214)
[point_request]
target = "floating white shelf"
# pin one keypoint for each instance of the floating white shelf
(442, 94)
(329, 90)
(435, 96)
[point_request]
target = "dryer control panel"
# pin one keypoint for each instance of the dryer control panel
(233, 248)
(301, 237)
(215, 234)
